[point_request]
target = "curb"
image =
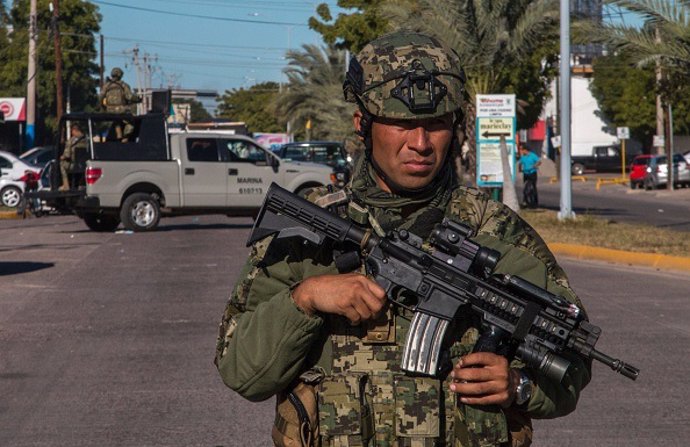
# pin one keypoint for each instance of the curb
(664, 262)
(9, 215)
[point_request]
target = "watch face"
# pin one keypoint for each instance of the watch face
(524, 390)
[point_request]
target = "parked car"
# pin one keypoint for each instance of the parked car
(330, 153)
(38, 156)
(638, 170)
(12, 169)
(603, 159)
(657, 171)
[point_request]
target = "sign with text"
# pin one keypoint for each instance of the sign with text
(495, 121)
(623, 133)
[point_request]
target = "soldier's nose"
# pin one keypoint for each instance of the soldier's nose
(418, 139)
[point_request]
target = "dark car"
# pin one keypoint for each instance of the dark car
(38, 156)
(331, 153)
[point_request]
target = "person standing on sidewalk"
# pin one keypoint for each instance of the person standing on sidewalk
(529, 162)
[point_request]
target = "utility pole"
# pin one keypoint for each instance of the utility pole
(660, 128)
(30, 136)
(566, 211)
(55, 8)
(102, 60)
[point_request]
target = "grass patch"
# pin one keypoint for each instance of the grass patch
(599, 232)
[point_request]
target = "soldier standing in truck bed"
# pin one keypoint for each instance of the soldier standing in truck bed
(117, 97)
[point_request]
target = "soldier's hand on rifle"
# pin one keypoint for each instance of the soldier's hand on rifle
(484, 378)
(351, 295)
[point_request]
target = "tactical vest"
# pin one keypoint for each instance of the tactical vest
(363, 398)
(114, 94)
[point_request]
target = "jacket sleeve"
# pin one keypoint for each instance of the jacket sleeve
(264, 339)
(525, 254)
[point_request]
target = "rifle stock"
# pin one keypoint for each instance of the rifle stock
(454, 277)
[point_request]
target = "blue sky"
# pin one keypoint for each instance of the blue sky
(189, 51)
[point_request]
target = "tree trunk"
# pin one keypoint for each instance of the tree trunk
(470, 135)
(509, 194)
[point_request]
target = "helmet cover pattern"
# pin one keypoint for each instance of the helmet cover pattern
(406, 75)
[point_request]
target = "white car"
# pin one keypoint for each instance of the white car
(11, 171)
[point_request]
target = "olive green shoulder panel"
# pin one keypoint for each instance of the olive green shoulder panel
(491, 218)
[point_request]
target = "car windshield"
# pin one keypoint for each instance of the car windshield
(327, 154)
(642, 161)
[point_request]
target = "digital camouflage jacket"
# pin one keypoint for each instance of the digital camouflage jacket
(265, 343)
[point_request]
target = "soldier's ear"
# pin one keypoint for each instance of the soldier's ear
(357, 123)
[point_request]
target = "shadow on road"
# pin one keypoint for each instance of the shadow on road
(602, 212)
(15, 267)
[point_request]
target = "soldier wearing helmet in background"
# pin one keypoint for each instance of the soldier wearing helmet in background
(117, 97)
(329, 345)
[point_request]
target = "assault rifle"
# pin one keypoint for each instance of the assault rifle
(519, 319)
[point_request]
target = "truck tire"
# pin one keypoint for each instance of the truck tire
(578, 169)
(102, 223)
(140, 212)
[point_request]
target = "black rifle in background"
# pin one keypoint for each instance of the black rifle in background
(519, 319)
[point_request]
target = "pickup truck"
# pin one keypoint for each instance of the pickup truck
(603, 159)
(134, 172)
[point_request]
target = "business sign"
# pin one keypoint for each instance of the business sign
(496, 105)
(14, 109)
(495, 122)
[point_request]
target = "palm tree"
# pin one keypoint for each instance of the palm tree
(314, 93)
(663, 40)
(493, 39)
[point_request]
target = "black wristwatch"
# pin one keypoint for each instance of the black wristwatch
(523, 391)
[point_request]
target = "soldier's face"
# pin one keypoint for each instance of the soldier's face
(410, 152)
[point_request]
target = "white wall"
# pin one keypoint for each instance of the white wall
(587, 128)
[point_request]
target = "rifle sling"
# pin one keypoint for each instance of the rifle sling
(525, 322)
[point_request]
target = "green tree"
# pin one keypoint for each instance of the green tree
(626, 96)
(315, 94)
(353, 30)
(663, 42)
(79, 21)
(252, 106)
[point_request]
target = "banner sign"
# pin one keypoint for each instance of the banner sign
(14, 109)
(495, 120)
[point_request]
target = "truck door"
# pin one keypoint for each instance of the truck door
(204, 178)
(250, 172)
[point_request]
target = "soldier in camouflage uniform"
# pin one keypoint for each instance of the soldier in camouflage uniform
(117, 97)
(329, 346)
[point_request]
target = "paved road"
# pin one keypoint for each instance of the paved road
(107, 339)
(660, 208)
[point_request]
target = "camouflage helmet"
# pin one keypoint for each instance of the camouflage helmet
(116, 73)
(406, 75)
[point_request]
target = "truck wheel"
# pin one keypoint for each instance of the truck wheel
(578, 169)
(10, 196)
(102, 223)
(140, 212)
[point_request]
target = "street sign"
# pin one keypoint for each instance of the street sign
(495, 121)
(14, 109)
(659, 141)
(623, 133)
(491, 129)
(556, 141)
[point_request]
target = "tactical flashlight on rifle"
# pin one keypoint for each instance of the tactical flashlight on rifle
(518, 319)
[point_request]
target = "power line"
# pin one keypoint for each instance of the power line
(197, 16)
